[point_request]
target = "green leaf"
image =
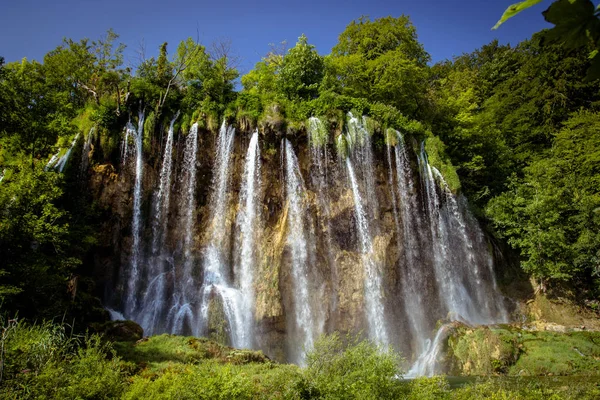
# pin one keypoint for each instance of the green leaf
(575, 23)
(514, 9)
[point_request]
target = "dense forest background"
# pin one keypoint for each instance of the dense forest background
(516, 129)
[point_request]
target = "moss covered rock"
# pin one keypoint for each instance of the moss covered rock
(120, 331)
(515, 351)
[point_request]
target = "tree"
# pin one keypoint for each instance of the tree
(382, 61)
(301, 71)
(553, 214)
(34, 243)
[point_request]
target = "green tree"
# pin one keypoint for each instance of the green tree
(35, 243)
(553, 214)
(382, 61)
(301, 71)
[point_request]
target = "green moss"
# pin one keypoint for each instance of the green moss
(218, 327)
(544, 353)
(317, 132)
(371, 125)
(391, 137)
(512, 351)
(341, 146)
(149, 125)
(437, 157)
(157, 353)
(85, 120)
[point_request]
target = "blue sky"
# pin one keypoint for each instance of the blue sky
(31, 28)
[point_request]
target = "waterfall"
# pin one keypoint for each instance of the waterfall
(408, 221)
(247, 225)
(372, 276)
(345, 243)
(181, 311)
(427, 363)
(216, 273)
(85, 152)
(125, 145)
(162, 200)
(136, 227)
(460, 261)
(302, 248)
(57, 162)
(359, 139)
(154, 298)
(318, 137)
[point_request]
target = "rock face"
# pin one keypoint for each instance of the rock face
(409, 273)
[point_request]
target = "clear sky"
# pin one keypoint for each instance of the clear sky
(31, 28)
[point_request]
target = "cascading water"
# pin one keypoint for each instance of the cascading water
(162, 201)
(372, 276)
(307, 322)
(181, 314)
(85, 152)
(415, 255)
(360, 153)
(408, 221)
(318, 137)
(216, 274)
(154, 300)
(136, 226)
(458, 268)
(247, 225)
(57, 162)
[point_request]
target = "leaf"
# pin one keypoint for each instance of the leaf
(514, 9)
(593, 71)
(575, 23)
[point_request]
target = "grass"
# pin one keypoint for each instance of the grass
(158, 353)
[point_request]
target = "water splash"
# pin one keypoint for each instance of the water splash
(427, 363)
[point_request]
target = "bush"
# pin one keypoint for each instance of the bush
(355, 370)
(42, 361)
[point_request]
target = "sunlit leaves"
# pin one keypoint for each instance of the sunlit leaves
(514, 9)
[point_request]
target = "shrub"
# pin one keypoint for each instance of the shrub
(355, 370)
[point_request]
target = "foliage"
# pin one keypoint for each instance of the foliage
(34, 242)
(513, 351)
(301, 71)
(577, 25)
(551, 214)
(514, 9)
(352, 370)
(42, 361)
(379, 60)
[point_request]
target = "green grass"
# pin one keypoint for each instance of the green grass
(158, 353)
